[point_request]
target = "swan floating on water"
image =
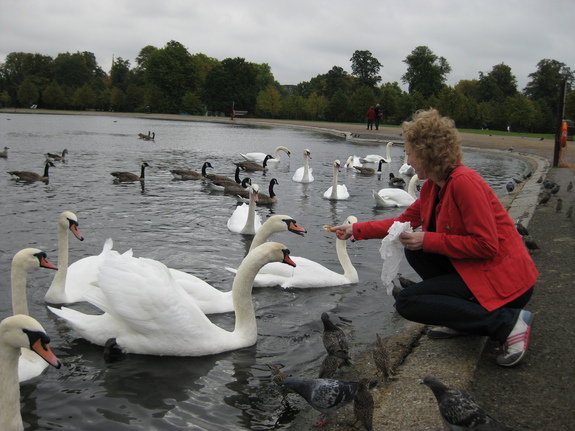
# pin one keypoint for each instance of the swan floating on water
(375, 158)
(259, 157)
(148, 313)
(336, 191)
(305, 173)
(244, 219)
(406, 168)
(394, 197)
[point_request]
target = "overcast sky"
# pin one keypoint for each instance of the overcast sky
(301, 39)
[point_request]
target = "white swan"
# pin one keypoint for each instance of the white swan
(61, 292)
(305, 173)
(336, 191)
(352, 161)
(244, 219)
(259, 157)
(210, 299)
(309, 273)
(147, 312)
(16, 333)
(394, 197)
(29, 365)
(406, 168)
(374, 158)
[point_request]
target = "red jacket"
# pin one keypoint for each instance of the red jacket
(371, 114)
(474, 230)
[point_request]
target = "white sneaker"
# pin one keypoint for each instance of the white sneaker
(515, 346)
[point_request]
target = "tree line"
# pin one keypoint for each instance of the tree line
(172, 80)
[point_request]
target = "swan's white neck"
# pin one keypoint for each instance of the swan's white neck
(250, 228)
(411, 186)
(18, 280)
(388, 152)
(305, 177)
(334, 183)
(59, 282)
(262, 235)
(277, 152)
(349, 270)
(10, 418)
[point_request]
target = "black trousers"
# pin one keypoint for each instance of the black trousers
(443, 299)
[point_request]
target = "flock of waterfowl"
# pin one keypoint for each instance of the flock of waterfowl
(148, 308)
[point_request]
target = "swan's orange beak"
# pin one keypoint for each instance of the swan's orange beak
(76, 231)
(45, 264)
(293, 227)
(287, 258)
(44, 351)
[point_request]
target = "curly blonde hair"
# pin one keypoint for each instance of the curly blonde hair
(435, 141)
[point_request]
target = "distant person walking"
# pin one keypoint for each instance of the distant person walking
(378, 115)
(370, 118)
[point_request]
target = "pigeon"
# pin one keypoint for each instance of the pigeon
(395, 290)
(555, 189)
(548, 184)
(530, 243)
(329, 366)
(324, 395)
(544, 199)
(380, 358)
(363, 404)
(570, 186)
(277, 375)
(459, 411)
(510, 186)
(334, 340)
(510, 148)
(521, 229)
(569, 212)
(405, 282)
(559, 205)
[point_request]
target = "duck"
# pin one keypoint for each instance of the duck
(70, 282)
(31, 177)
(17, 333)
(57, 157)
(259, 157)
(308, 273)
(121, 176)
(370, 171)
(305, 173)
(244, 219)
(29, 365)
(186, 174)
(396, 181)
(4, 154)
(375, 158)
(353, 161)
(148, 313)
(395, 197)
(253, 166)
(334, 340)
(336, 191)
(406, 168)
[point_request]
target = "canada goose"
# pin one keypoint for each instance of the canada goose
(4, 154)
(253, 166)
(235, 188)
(128, 176)
(33, 176)
(186, 174)
(57, 157)
(150, 138)
(214, 177)
(396, 181)
(221, 182)
(370, 171)
(264, 199)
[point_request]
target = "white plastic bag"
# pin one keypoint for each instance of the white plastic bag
(392, 252)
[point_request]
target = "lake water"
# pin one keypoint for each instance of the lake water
(183, 224)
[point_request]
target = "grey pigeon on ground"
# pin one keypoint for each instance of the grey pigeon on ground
(569, 212)
(324, 395)
(570, 186)
(334, 340)
(459, 411)
(405, 282)
(544, 199)
(521, 228)
(510, 186)
(559, 205)
(363, 404)
(530, 243)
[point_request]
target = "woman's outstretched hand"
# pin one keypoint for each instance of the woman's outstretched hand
(344, 231)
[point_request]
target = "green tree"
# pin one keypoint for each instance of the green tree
(455, 105)
(85, 97)
(366, 68)
(70, 70)
(545, 84)
(570, 106)
(316, 106)
(54, 97)
(135, 98)
(521, 113)
(390, 94)
(19, 66)
(117, 99)
(294, 107)
(338, 107)
(469, 88)
(337, 80)
(4, 99)
(172, 70)
(360, 101)
(192, 104)
(28, 93)
(426, 72)
(269, 102)
(120, 74)
(497, 84)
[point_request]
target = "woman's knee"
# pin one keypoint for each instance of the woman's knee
(402, 303)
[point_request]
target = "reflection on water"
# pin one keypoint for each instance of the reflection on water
(183, 224)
